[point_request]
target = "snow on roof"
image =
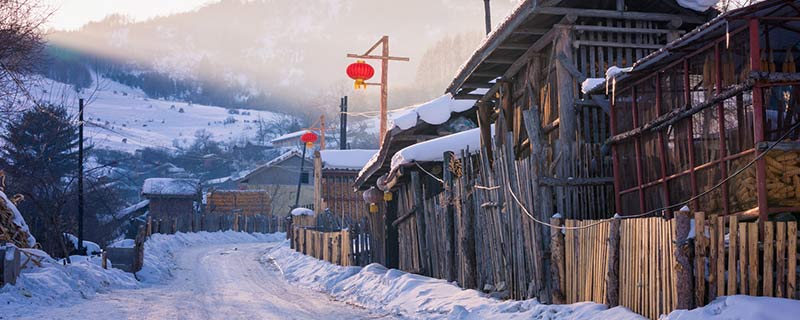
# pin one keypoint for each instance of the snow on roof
(354, 159)
(432, 150)
(591, 83)
(435, 112)
(302, 212)
(217, 181)
(698, 5)
(293, 135)
(285, 156)
(170, 187)
(127, 211)
(18, 220)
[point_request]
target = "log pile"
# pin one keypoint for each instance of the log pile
(10, 231)
(249, 203)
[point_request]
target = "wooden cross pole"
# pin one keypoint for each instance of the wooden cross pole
(385, 58)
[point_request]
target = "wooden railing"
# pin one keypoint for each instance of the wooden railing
(342, 247)
(217, 222)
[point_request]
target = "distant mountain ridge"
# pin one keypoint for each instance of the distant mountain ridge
(263, 54)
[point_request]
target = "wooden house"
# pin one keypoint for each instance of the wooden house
(171, 199)
(541, 147)
(279, 177)
(335, 171)
(541, 54)
(689, 121)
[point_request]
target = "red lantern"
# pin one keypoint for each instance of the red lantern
(309, 138)
(373, 196)
(360, 71)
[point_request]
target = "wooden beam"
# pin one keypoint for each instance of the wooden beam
(579, 43)
(499, 61)
(620, 30)
(468, 96)
(371, 57)
(531, 31)
(478, 85)
(514, 46)
(571, 68)
(486, 74)
(626, 15)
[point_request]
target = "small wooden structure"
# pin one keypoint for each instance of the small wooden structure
(172, 198)
(335, 171)
(244, 202)
(688, 121)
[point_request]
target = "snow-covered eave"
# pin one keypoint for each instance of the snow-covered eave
(346, 160)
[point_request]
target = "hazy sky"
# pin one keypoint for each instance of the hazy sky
(72, 14)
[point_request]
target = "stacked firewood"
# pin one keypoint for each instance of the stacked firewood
(9, 230)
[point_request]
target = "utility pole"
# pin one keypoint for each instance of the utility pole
(384, 57)
(343, 123)
(300, 180)
(81, 249)
(322, 131)
(487, 7)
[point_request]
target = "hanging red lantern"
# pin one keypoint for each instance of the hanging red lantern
(309, 138)
(373, 196)
(360, 71)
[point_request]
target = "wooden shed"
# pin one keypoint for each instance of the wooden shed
(172, 198)
(335, 171)
(711, 121)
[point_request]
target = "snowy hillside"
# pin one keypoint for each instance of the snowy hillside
(123, 118)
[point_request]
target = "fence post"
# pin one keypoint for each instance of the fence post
(193, 223)
(149, 226)
(202, 222)
(104, 257)
(612, 274)
(683, 271)
(557, 260)
(236, 222)
(174, 225)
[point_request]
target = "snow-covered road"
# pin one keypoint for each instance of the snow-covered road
(212, 282)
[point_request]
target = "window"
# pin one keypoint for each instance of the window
(304, 178)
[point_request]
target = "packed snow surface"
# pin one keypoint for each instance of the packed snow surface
(18, 219)
(170, 186)
(353, 159)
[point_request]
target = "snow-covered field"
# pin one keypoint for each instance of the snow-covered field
(115, 112)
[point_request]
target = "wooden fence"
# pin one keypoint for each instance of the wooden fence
(343, 247)
(218, 222)
(653, 265)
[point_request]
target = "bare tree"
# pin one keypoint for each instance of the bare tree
(21, 42)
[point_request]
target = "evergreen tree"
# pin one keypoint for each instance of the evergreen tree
(39, 153)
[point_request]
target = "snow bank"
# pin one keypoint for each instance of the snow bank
(698, 5)
(415, 296)
(18, 219)
(353, 159)
(91, 247)
(160, 248)
(741, 307)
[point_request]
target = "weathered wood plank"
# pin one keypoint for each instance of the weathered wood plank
(769, 241)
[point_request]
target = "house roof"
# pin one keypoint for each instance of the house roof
(168, 187)
(530, 28)
(695, 39)
(292, 135)
(272, 163)
(418, 121)
(353, 159)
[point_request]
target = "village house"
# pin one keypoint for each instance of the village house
(172, 200)
(279, 177)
